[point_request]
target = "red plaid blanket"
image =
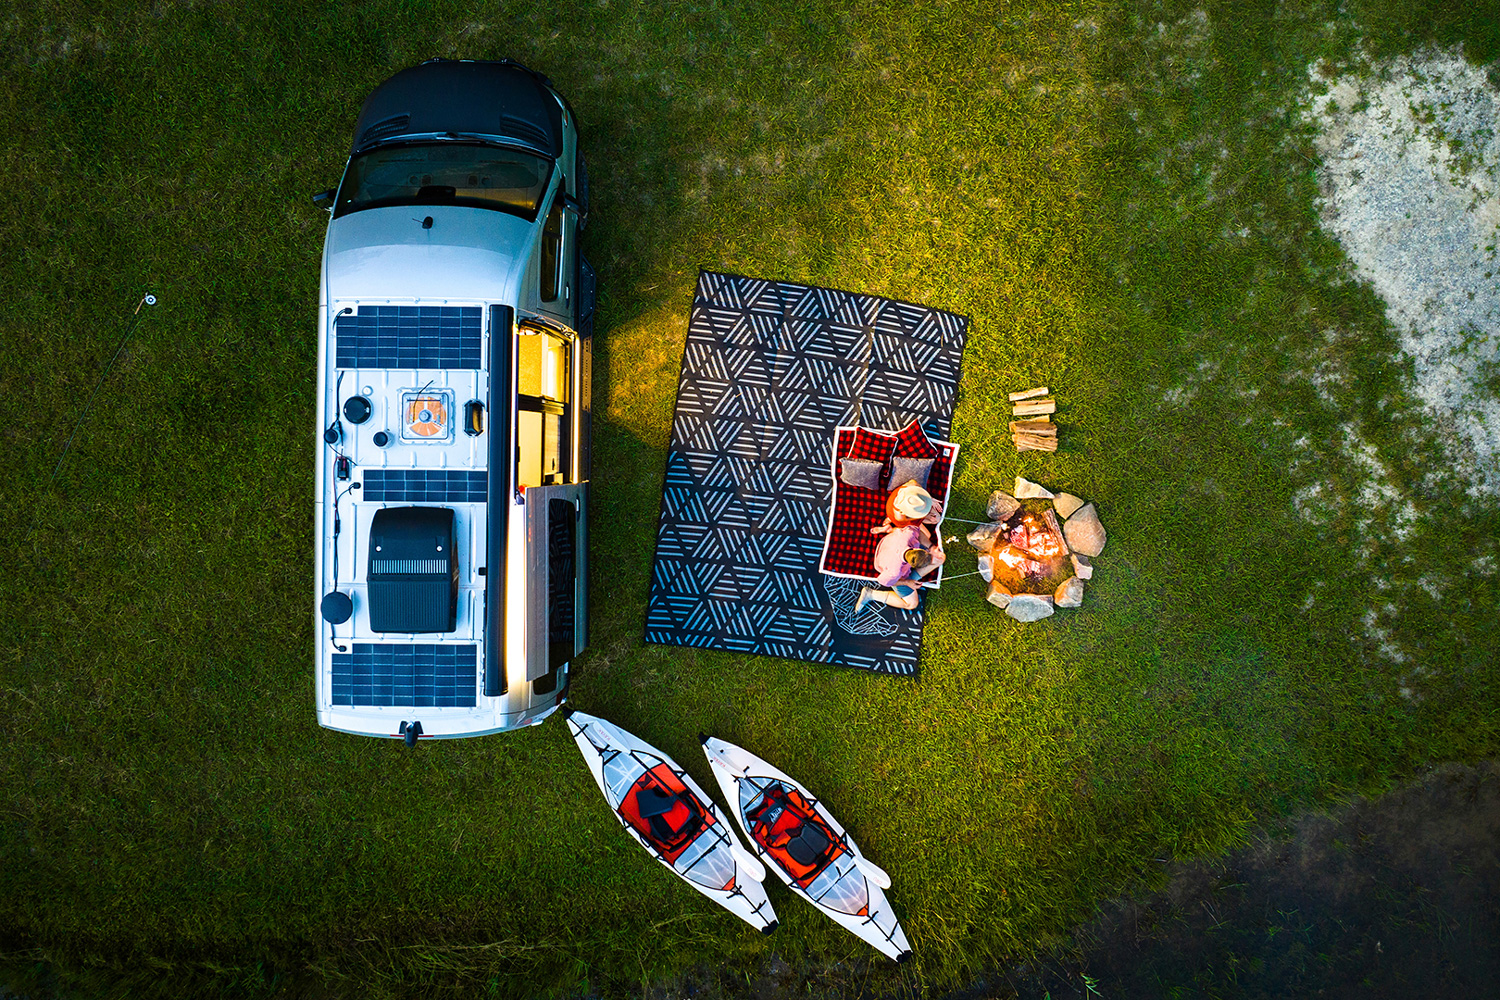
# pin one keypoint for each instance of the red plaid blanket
(849, 548)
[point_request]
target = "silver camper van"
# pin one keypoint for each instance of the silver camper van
(454, 331)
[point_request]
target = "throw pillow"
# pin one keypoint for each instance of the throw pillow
(872, 446)
(913, 443)
(904, 469)
(861, 472)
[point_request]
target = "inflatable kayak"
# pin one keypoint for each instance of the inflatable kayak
(665, 810)
(788, 827)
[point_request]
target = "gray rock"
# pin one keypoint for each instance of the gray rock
(1083, 567)
(1066, 504)
(983, 537)
(1029, 607)
(1002, 505)
(998, 596)
(1027, 490)
(1069, 593)
(1084, 533)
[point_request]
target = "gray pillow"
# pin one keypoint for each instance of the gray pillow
(861, 472)
(904, 469)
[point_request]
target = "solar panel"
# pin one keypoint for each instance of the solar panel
(409, 337)
(428, 676)
(426, 485)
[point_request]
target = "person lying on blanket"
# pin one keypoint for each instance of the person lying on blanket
(908, 504)
(902, 559)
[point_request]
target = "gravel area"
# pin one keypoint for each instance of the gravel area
(1409, 175)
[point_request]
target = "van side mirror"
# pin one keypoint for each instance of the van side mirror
(324, 199)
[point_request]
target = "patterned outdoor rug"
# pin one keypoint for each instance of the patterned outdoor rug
(770, 370)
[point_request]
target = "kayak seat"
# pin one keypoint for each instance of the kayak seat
(654, 802)
(656, 806)
(808, 845)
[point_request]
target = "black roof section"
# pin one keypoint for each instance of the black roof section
(502, 98)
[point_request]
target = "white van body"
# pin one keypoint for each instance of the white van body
(455, 322)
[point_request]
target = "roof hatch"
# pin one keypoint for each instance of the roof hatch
(413, 578)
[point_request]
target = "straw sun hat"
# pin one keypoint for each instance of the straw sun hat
(911, 501)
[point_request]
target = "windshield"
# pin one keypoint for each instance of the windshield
(445, 173)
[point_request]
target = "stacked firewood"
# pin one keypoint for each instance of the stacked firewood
(1033, 429)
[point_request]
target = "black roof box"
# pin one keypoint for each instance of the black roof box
(501, 98)
(413, 578)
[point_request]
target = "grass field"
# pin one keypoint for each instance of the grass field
(1120, 195)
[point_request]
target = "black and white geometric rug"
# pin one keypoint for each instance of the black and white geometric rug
(769, 370)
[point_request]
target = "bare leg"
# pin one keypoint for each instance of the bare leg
(890, 598)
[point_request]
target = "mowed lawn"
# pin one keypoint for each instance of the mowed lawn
(1120, 195)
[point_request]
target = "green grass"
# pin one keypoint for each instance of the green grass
(1072, 176)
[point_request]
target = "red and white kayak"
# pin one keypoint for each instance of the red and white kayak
(665, 810)
(787, 826)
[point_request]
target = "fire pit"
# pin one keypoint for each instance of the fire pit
(1037, 550)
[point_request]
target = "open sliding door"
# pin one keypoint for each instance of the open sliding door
(557, 580)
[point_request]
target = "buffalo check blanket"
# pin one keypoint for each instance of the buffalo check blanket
(849, 548)
(771, 371)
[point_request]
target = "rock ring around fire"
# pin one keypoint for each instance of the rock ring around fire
(1037, 550)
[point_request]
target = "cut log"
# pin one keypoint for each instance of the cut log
(1029, 394)
(1056, 529)
(1034, 408)
(1035, 438)
(1038, 427)
(1035, 443)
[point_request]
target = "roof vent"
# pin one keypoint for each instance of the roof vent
(384, 129)
(413, 570)
(521, 129)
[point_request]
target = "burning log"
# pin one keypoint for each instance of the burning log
(1039, 541)
(1056, 530)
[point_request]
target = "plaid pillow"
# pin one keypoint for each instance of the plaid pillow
(873, 446)
(913, 443)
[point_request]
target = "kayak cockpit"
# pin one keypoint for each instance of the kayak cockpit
(787, 826)
(660, 808)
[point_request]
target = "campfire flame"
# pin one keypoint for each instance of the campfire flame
(1038, 541)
